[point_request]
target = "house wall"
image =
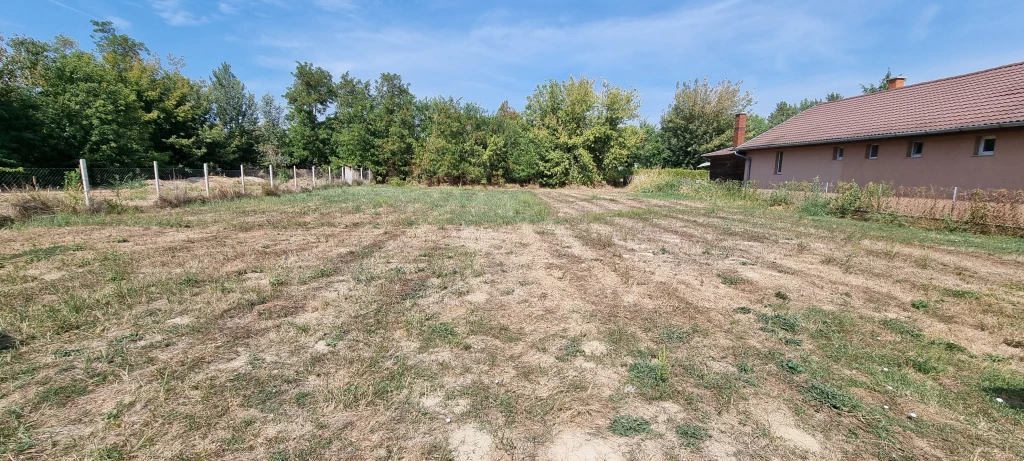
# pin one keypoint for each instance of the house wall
(946, 161)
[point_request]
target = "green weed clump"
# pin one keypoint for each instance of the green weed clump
(832, 396)
(629, 426)
(692, 435)
(651, 378)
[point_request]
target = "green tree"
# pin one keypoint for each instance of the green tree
(883, 84)
(756, 125)
(391, 126)
(272, 133)
(833, 97)
(235, 111)
(701, 120)
(785, 111)
(310, 97)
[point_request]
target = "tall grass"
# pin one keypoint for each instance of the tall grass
(998, 212)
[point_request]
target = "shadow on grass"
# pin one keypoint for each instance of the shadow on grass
(1012, 397)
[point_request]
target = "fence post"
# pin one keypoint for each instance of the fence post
(826, 188)
(314, 176)
(952, 207)
(85, 180)
(206, 177)
(243, 178)
(329, 174)
(878, 206)
(295, 177)
(271, 176)
(156, 178)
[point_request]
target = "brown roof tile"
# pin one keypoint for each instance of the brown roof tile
(726, 151)
(984, 98)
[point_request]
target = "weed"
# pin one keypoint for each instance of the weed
(832, 396)
(960, 294)
(949, 346)
(793, 367)
(692, 435)
(743, 310)
(789, 323)
(675, 334)
(60, 395)
(629, 426)
(925, 365)
(744, 368)
(781, 295)
(730, 279)
(902, 328)
(573, 348)
(793, 342)
(651, 377)
(920, 304)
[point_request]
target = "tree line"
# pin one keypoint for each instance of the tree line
(121, 105)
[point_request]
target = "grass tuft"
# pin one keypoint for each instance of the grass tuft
(629, 426)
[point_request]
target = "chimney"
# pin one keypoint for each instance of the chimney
(739, 131)
(896, 82)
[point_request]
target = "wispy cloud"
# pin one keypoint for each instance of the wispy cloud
(175, 13)
(335, 5)
(71, 8)
(922, 25)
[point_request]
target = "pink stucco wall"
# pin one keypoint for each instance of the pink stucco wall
(946, 161)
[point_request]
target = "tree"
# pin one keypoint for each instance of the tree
(310, 97)
(583, 135)
(883, 84)
(272, 134)
(236, 112)
(833, 97)
(701, 120)
(785, 111)
(756, 125)
(391, 125)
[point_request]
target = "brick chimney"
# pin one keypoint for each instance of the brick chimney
(896, 82)
(739, 131)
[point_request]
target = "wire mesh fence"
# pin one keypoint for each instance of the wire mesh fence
(64, 189)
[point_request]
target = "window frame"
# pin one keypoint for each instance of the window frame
(838, 153)
(981, 146)
(920, 152)
(872, 148)
(778, 162)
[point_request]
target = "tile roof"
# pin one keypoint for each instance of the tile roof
(726, 151)
(984, 98)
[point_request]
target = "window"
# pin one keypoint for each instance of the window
(987, 145)
(872, 151)
(837, 153)
(916, 148)
(778, 162)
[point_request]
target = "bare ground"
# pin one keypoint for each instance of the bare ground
(357, 336)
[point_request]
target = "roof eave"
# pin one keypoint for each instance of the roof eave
(885, 136)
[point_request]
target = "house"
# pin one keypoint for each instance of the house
(965, 131)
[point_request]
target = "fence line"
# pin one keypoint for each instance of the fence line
(143, 186)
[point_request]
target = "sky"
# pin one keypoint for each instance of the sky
(488, 52)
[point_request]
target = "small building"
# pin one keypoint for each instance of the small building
(725, 165)
(965, 131)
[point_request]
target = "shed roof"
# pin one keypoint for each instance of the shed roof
(983, 99)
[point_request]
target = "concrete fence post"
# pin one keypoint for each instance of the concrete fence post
(329, 174)
(313, 170)
(271, 176)
(85, 181)
(206, 177)
(242, 169)
(826, 188)
(952, 207)
(156, 178)
(295, 176)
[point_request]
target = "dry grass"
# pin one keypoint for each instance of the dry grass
(356, 323)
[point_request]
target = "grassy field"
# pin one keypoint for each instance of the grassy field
(443, 323)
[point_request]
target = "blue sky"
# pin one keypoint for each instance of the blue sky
(487, 52)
